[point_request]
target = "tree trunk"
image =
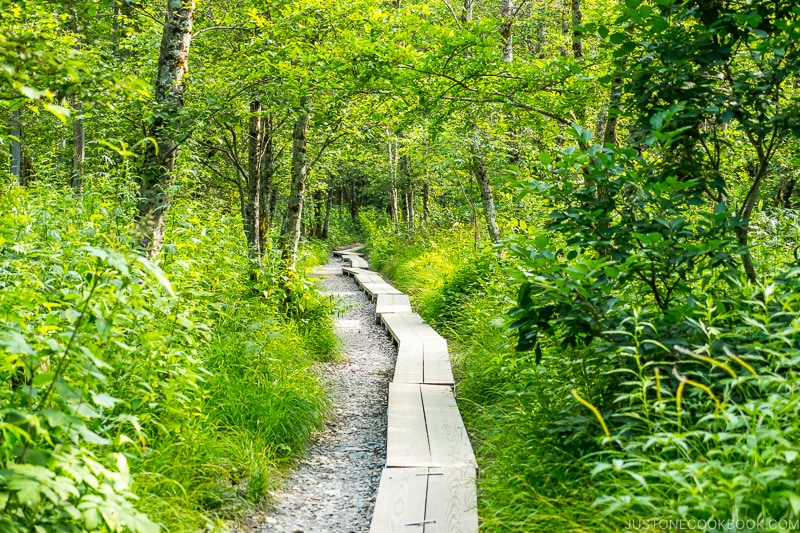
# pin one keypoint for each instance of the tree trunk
(577, 35)
(27, 174)
(746, 212)
(253, 206)
(327, 222)
(393, 204)
(319, 202)
(507, 30)
(612, 115)
(408, 191)
(565, 26)
(266, 194)
(290, 234)
(16, 144)
(478, 167)
(78, 148)
(466, 10)
(393, 175)
(426, 193)
(158, 164)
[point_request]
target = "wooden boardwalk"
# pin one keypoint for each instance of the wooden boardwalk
(428, 484)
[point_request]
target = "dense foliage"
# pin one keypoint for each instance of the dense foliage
(596, 199)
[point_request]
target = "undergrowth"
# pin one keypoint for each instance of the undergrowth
(620, 433)
(145, 396)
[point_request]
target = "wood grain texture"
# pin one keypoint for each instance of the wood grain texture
(352, 271)
(356, 261)
(452, 501)
(436, 361)
(409, 367)
(374, 289)
(340, 253)
(407, 436)
(398, 326)
(368, 277)
(392, 303)
(447, 436)
(401, 500)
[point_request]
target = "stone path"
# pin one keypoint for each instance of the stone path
(333, 488)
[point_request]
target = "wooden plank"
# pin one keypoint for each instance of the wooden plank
(409, 367)
(351, 271)
(391, 303)
(407, 435)
(399, 328)
(447, 436)
(340, 253)
(372, 277)
(356, 261)
(436, 362)
(374, 289)
(452, 501)
(400, 501)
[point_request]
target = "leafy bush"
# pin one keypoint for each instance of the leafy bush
(132, 402)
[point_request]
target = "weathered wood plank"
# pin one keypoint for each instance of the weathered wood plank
(391, 303)
(447, 436)
(407, 435)
(352, 271)
(351, 251)
(452, 501)
(400, 501)
(401, 325)
(436, 361)
(409, 367)
(356, 261)
(374, 289)
(372, 277)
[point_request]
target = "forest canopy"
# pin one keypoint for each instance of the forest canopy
(596, 200)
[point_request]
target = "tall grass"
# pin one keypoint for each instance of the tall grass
(530, 480)
(710, 435)
(208, 389)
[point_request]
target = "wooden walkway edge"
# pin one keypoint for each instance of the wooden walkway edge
(429, 483)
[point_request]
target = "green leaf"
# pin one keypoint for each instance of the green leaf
(104, 400)
(156, 273)
(618, 38)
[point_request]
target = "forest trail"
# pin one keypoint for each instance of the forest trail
(333, 488)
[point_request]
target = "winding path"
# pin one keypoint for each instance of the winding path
(333, 488)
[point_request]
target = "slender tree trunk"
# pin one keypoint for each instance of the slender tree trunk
(319, 213)
(265, 189)
(78, 148)
(507, 30)
(466, 10)
(27, 175)
(393, 179)
(746, 211)
(253, 207)
(577, 35)
(290, 234)
(612, 115)
(326, 225)
(158, 164)
(540, 44)
(426, 193)
(408, 191)
(393, 204)
(16, 144)
(565, 26)
(478, 167)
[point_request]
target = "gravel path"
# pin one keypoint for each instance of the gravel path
(333, 488)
